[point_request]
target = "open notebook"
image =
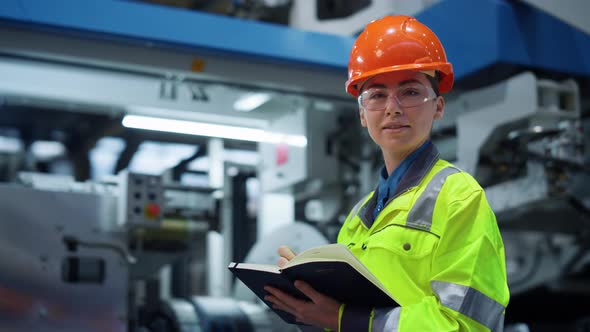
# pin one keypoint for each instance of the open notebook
(330, 269)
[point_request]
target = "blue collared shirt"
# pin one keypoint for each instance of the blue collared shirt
(388, 183)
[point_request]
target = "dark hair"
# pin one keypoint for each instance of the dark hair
(434, 82)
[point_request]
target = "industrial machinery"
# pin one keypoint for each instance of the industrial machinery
(73, 252)
(92, 256)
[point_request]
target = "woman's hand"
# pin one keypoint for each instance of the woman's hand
(321, 311)
(286, 254)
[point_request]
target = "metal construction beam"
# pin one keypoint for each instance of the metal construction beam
(168, 41)
(476, 35)
(479, 34)
(575, 13)
(153, 24)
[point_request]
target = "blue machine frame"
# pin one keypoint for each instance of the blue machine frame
(476, 34)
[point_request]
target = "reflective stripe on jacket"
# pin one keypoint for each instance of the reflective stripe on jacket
(437, 248)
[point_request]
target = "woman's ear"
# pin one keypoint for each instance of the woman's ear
(362, 114)
(440, 108)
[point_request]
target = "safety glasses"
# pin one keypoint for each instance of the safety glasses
(407, 95)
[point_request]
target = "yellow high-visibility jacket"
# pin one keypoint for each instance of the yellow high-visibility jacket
(436, 247)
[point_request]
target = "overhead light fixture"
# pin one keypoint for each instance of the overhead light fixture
(212, 130)
(250, 101)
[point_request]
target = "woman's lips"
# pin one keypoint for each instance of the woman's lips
(395, 128)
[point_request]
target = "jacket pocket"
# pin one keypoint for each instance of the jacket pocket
(401, 258)
(404, 241)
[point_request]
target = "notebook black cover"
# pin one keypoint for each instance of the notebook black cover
(335, 279)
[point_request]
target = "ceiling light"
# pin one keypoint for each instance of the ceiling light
(251, 101)
(212, 130)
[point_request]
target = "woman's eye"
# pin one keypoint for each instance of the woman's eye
(410, 92)
(377, 95)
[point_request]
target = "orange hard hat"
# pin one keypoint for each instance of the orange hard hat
(395, 43)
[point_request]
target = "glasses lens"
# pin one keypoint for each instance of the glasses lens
(374, 99)
(409, 95)
(412, 95)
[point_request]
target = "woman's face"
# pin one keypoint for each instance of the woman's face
(400, 129)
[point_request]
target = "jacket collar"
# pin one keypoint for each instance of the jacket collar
(416, 172)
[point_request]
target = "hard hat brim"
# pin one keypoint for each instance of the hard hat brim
(444, 68)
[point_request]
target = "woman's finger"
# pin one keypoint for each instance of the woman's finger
(285, 298)
(306, 289)
(286, 252)
(278, 304)
(282, 262)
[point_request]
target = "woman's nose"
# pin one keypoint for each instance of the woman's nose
(393, 107)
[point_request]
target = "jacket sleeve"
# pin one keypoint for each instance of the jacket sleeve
(468, 283)
(468, 288)
(369, 319)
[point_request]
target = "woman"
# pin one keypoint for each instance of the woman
(427, 231)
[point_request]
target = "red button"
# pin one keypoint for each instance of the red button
(152, 210)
